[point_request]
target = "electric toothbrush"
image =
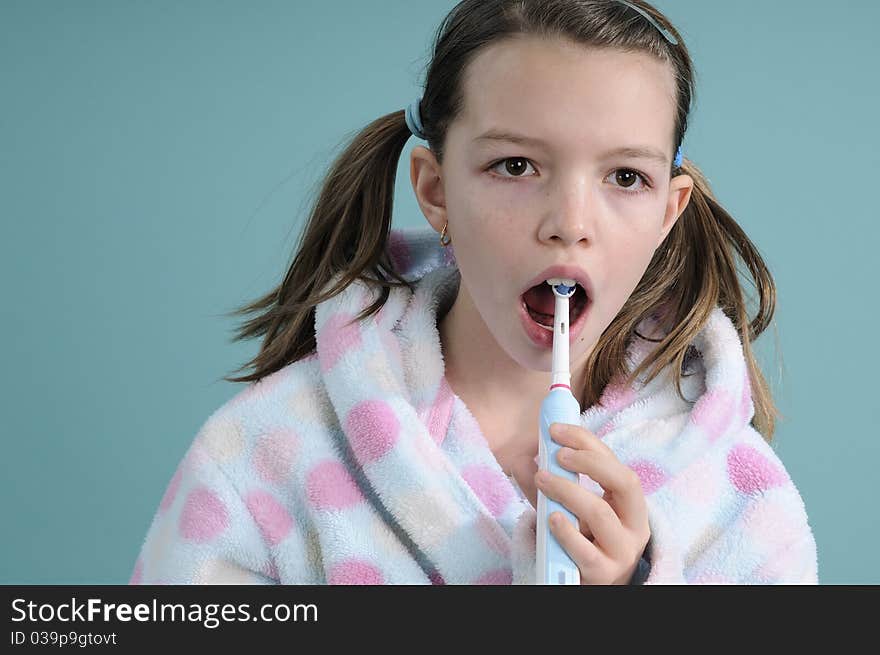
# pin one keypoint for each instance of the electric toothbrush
(553, 564)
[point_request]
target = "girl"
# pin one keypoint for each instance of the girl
(388, 433)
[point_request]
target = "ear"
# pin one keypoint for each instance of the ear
(680, 188)
(427, 182)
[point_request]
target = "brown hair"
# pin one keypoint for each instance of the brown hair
(692, 271)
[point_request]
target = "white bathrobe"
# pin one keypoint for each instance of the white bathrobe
(360, 465)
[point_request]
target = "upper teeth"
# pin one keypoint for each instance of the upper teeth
(554, 281)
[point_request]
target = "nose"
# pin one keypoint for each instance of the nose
(569, 217)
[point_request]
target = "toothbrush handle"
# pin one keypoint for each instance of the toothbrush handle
(553, 565)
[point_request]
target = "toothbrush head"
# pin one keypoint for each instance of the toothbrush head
(562, 287)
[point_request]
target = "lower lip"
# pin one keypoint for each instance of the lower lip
(544, 338)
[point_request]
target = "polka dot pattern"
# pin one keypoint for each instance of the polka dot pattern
(372, 430)
(222, 438)
(355, 572)
(714, 411)
(272, 518)
(273, 456)
(204, 515)
(310, 405)
(616, 396)
(329, 486)
(491, 487)
(337, 338)
(281, 450)
(650, 475)
(751, 472)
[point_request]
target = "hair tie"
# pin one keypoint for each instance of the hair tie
(414, 118)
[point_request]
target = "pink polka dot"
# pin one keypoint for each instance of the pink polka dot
(650, 475)
(491, 487)
(204, 515)
(498, 576)
(138, 572)
(372, 428)
(273, 456)
(355, 572)
(272, 518)
(616, 396)
(750, 471)
(171, 491)
(336, 338)
(330, 486)
(713, 412)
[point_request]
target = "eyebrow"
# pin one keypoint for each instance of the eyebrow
(637, 152)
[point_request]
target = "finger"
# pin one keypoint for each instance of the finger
(523, 471)
(583, 526)
(588, 557)
(623, 488)
(609, 532)
(577, 437)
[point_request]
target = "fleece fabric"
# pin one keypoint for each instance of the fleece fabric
(359, 464)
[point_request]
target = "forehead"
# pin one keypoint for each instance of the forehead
(568, 95)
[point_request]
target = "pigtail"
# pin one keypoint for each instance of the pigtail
(346, 233)
(692, 272)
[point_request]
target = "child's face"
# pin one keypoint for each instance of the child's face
(564, 203)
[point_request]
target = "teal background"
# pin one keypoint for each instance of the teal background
(156, 161)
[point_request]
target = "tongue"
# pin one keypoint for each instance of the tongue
(541, 299)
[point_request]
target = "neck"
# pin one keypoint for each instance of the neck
(503, 396)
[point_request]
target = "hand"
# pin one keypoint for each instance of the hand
(613, 530)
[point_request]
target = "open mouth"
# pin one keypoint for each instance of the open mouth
(540, 303)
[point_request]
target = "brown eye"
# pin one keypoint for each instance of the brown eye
(513, 166)
(626, 177)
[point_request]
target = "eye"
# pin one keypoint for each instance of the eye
(514, 170)
(627, 177)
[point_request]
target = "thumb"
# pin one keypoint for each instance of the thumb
(523, 471)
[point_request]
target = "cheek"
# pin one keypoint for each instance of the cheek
(628, 259)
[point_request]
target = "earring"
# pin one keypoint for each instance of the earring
(443, 235)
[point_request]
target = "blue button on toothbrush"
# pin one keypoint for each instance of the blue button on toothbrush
(553, 565)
